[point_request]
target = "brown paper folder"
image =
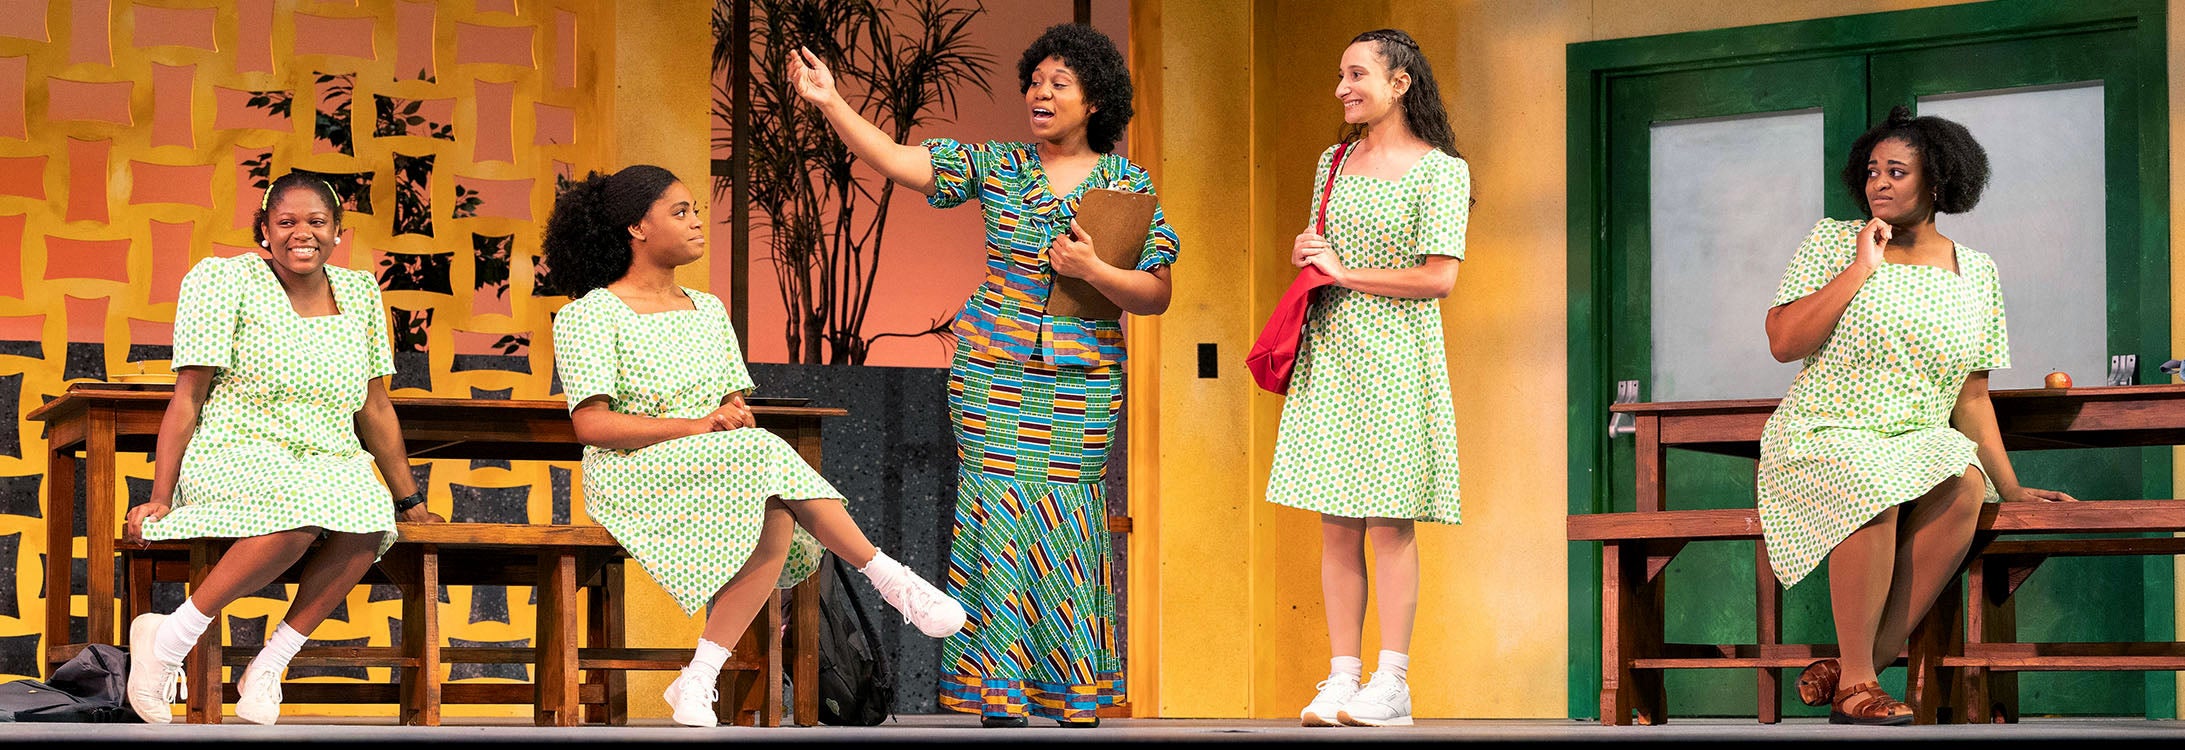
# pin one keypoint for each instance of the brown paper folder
(1118, 222)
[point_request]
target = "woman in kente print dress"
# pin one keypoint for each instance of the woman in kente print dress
(674, 466)
(1884, 449)
(1368, 438)
(280, 364)
(1034, 397)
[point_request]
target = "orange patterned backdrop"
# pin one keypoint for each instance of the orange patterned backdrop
(136, 138)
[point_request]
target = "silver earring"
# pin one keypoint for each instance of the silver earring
(264, 244)
(337, 240)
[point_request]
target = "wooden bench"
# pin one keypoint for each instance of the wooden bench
(576, 571)
(101, 420)
(1962, 660)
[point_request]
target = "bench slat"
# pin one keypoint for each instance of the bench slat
(2016, 518)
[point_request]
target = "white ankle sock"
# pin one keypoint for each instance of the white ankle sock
(1346, 666)
(881, 566)
(708, 660)
(280, 648)
(179, 633)
(1394, 663)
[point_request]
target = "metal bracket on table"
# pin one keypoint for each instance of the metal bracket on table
(1620, 424)
(2173, 367)
(2123, 369)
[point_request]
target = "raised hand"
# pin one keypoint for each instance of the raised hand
(1872, 239)
(811, 78)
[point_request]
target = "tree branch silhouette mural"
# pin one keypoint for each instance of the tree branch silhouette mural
(901, 67)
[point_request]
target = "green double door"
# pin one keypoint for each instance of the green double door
(1712, 177)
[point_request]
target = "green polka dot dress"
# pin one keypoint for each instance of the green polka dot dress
(1367, 430)
(276, 445)
(1866, 425)
(689, 509)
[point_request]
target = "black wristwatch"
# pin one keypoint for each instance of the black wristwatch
(415, 499)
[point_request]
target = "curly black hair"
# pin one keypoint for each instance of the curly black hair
(297, 180)
(1952, 163)
(1101, 73)
(587, 240)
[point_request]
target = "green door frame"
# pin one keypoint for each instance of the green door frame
(1592, 66)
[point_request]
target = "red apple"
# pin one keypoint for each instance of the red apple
(2058, 380)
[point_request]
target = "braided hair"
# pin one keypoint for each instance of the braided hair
(587, 240)
(1423, 111)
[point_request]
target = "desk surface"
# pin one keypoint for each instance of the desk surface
(2031, 419)
(527, 429)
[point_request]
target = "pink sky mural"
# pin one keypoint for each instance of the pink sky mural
(933, 258)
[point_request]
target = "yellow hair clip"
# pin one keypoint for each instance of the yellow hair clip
(265, 203)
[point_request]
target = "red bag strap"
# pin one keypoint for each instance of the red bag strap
(1335, 166)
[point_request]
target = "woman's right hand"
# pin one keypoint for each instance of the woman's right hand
(133, 532)
(1307, 245)
(811, 78)
(1872, 239)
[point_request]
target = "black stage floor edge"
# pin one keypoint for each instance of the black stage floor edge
(326, 734)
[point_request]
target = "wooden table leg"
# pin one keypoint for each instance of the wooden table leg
(420, 583)
(60, 513)
(556, 642)
(616, 633)
(99, 517)
(804, 612)
(771, 627)
(202, 667)
(1928, 685)
(1617, 644)
(604, 630)
(138, 578)
(1768, 606)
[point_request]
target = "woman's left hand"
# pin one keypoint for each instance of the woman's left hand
(2031, 495)
(1074, 257)
(1331, 264)
(418, 514)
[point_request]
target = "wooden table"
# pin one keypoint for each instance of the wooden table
(102, 420)
(2032, 419)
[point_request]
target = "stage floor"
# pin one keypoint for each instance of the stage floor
(961, 730)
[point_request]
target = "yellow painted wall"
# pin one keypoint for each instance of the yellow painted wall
(661, 99)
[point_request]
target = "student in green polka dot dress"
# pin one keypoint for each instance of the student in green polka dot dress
(1368, 438)
(674, 466)
(1884, 449)
(280, 364)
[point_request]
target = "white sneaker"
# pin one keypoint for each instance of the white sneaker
(260, 702)
(933, 612)
(152, 685)
(1385, 702)
(1334, 692)
(692, 697)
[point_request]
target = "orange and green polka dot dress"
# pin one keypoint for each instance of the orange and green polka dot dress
(1866, 425)
(1368, 430)
(689, 509)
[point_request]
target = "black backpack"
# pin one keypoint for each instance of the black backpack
(856, 680)
(92, 687)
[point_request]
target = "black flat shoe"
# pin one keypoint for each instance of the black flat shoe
(1002, 722)
(1094, 724)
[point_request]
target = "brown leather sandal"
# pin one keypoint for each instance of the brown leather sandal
(1876, 708)
(1817, 684)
